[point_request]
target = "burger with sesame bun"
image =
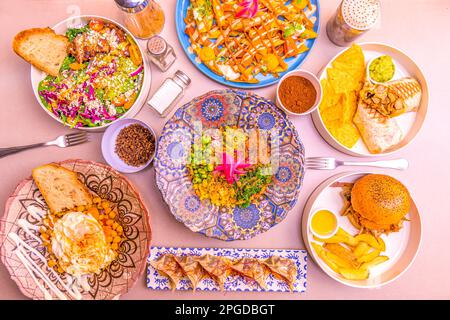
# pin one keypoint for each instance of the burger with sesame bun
(379, 204)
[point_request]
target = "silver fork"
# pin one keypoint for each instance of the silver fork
(323, 163)
(64, 141)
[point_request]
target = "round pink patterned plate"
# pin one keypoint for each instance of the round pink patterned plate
(33, 276)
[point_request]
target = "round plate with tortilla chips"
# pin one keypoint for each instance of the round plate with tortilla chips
(358, 131)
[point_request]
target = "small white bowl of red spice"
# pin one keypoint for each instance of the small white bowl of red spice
(299, 92)
(129, 145)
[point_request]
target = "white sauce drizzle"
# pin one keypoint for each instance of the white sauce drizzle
(24, 251)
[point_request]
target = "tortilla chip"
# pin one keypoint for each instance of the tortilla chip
(353, 56)
(340, 95)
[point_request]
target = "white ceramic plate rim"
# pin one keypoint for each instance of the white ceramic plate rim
(305, 219)
(316, 117)
(37, 75)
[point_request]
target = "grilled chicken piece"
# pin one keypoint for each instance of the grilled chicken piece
(393, 98)
(85, 47)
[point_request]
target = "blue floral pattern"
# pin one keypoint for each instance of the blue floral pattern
(233, 108)
(212, 109)
(234, 282)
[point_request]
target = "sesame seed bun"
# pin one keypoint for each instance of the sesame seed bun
(380, 201)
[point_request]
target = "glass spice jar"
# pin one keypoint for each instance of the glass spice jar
(352, 19)
(169, 93)
(144, 18)
(160, 53)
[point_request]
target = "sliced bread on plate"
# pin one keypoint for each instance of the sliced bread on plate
(43, 48)
(61, 188)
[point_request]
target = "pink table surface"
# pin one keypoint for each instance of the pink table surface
(419, 27)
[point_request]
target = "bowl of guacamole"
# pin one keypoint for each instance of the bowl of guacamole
(381, 69)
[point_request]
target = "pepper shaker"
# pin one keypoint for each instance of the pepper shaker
(160, 53)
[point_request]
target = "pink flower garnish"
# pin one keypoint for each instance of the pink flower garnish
(230, 168)
(249, 9)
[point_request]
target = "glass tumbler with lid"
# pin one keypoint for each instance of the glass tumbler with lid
(352, 19)
(144, 18)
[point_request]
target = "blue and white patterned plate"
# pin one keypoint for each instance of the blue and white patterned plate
(247, 111)
(264, 81)
(234, 282)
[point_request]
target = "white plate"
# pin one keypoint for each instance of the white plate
(401, 247)
(78, 21)
(410, 123)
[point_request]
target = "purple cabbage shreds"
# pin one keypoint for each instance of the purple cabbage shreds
(60, 86)
(91, 93)
(137, 71)
(48, 95)
(113, 69)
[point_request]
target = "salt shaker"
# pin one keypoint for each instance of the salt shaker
(161, 53)
(169, 93)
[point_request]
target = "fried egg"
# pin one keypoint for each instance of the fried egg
(79, 244)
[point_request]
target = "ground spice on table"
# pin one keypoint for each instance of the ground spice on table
(297, 94)
(135, 145)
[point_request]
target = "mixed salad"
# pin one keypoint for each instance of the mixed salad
(221, 173)
(100, 78)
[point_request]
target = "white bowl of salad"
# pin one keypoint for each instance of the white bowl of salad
(104, 77)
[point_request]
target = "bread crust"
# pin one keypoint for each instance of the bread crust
(24, 35)
(86, 195)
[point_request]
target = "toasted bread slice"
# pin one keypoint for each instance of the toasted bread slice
(61, 188)
(43, 48)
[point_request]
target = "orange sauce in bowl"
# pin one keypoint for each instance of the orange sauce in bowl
(324, 223)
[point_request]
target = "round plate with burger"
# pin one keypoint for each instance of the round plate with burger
(378, 230)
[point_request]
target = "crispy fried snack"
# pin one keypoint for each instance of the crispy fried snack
(253, 269)
(282, 267)
(167, 265)
(218, 268)
(240, 47)
(192, 268)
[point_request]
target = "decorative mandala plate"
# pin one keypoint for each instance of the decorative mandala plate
(234, 282)
(113, 281)
(246, 111)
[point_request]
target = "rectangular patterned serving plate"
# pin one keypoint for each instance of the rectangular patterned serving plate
(234, 282)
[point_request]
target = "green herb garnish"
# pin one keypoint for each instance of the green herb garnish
(71, 33)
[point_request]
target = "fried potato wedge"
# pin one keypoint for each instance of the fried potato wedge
(382, 244)
(322, 254)
(339, 261)
(361, 249)
(378, 260)
(349, 239)
(354, 274)
(370, 240)
(370, 256)
(344, 254)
